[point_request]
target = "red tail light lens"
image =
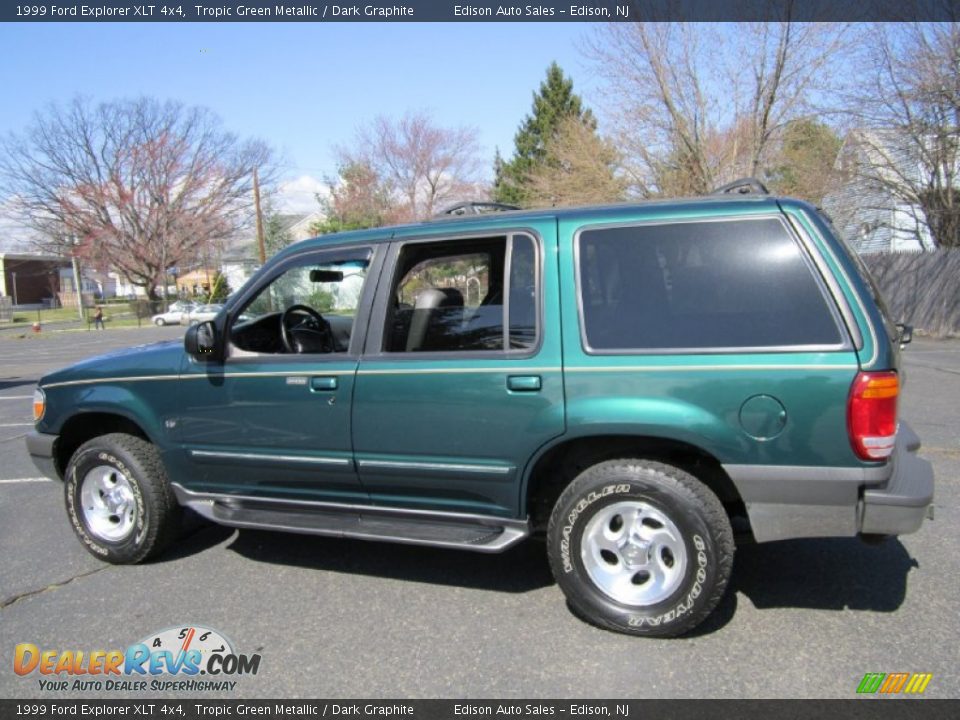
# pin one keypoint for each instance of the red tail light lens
(872, 414)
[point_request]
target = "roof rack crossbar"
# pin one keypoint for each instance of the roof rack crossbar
(475, 208)
(743, 186)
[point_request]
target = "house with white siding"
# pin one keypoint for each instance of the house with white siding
(864, 209)
(240, 260)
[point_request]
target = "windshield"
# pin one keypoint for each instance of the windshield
(331, 289)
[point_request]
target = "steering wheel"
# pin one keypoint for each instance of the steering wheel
(311, 335)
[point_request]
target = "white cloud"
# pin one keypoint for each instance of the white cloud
(299, 195)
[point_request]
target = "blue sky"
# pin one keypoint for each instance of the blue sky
(303, 87)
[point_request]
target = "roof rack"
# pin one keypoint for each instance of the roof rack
(743, 186)
(475, 208)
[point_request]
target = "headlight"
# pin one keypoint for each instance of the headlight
(39, 405)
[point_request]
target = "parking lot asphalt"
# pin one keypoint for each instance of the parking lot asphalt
(342, 618)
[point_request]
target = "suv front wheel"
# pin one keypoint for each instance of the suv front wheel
(118, 499)
(640, 547)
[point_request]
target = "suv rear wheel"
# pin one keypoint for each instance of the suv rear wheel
(118, 499)
(640, 547)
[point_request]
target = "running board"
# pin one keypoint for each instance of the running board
(480, 533)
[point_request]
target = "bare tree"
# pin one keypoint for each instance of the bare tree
(139, 185)
(906, 105)
(426, 166)
(579, 168)
(697, 104)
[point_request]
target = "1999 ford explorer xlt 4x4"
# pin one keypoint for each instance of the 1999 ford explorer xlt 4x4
(632, 382)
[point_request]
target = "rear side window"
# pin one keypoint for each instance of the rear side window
(866, 277)
(469, 295)
(700, 285)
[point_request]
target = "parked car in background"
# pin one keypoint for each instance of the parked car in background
(174, 314)
(201, 313)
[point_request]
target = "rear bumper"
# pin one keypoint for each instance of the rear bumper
(785, 502)
(41, 448)
(900, 505)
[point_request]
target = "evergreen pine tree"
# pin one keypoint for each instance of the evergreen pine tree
(554, 102)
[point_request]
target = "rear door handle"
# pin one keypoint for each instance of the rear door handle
(323, 382)
(524, 383)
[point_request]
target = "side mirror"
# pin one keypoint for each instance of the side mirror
(906, 333)
(200, 342)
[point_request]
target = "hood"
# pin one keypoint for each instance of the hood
(161, 358)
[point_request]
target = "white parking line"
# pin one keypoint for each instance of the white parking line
(15, 397)
(24, 480)
(15, 424)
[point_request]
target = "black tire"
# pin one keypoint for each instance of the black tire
(155, 514)
(159, 322)
(696, 515)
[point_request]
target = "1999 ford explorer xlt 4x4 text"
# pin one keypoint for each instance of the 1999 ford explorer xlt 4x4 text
(635, 383)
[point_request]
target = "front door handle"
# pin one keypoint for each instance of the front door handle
(524, 383)
(323, 382)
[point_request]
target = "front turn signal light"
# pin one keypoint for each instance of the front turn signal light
(39, 405)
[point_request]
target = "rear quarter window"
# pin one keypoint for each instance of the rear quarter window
(734, 284)
(869, 282)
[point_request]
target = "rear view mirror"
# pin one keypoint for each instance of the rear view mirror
(328, 276)
(200, 341)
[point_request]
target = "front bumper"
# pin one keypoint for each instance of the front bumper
(900, 505)
(41, 448)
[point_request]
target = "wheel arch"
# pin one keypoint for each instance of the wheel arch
(557, 465)
(84, 426)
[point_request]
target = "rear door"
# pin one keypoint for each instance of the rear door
(461, 380)
(717, 329)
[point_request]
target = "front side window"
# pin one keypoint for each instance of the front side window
(462, 296)
(700, 285)
(309, 308)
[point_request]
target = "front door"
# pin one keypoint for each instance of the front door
(461, 380)
(273, 419)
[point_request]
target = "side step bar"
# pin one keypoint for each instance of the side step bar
(480, 533)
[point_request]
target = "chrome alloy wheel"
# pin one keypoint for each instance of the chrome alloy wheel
(634, 553)
(108, 503)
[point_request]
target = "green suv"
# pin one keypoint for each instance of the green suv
(641, 385)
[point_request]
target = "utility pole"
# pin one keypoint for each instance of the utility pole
(261, 246)
(206, 269)
(76, 277)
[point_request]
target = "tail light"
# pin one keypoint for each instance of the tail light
(872, 414)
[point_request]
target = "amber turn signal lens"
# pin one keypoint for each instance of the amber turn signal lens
(39, 405)
(872, 414)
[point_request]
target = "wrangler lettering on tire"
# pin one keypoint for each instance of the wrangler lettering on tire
(640, 547)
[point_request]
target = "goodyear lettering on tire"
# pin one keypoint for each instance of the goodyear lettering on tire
(72, 487)
(685, 605)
